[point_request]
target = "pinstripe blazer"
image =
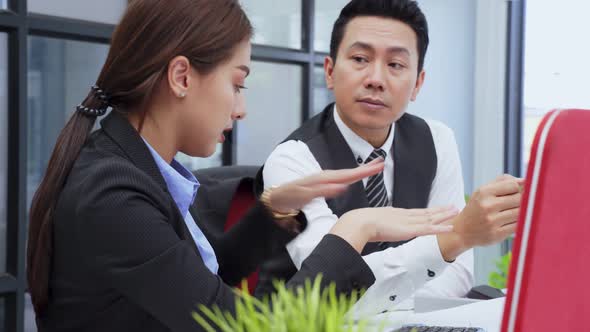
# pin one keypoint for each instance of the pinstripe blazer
(123, 259)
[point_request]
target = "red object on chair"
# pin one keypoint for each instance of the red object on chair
(242, 201)
(549, 278)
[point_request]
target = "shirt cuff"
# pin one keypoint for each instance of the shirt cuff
(424, 260)
(399, 273)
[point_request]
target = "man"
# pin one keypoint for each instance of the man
(375, 69)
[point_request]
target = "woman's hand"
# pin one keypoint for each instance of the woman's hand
(295, 195)
(388, 224)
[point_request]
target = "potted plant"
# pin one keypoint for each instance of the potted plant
(306, 308)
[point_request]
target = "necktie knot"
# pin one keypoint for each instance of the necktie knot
(376, 154)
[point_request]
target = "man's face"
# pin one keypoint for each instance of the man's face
(375, 74)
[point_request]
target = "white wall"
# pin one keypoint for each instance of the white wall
(447, 94)
(464, 88)
(490, 69)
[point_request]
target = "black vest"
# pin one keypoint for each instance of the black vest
(415, 164)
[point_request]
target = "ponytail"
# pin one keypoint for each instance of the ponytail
(66, 151)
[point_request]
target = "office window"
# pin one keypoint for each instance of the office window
(321, 95)
(556, 66)
(3, 4)
(60, 74)
(273, 103)
(326, 13)
(194, 163)
(275, 23)
(105, 11)
(3, 146)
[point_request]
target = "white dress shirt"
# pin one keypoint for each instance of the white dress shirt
(415, 267)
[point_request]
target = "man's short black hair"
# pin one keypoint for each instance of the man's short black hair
(406, 11)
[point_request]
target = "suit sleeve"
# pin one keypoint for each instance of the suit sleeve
(248, 243)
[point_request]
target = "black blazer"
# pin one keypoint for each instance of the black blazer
(124, 260)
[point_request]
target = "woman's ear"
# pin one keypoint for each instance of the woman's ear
(179, 70)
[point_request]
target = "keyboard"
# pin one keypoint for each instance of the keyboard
(437, 329)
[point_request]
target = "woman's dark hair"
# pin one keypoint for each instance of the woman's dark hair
(406, 11)
(150, 34)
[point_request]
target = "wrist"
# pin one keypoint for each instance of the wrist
(354, 231)
(287, 220)
(451, 245)
(266, 200)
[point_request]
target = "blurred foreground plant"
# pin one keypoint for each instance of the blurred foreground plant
(305, 308)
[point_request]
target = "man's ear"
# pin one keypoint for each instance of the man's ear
(329, 71)
(419, 83)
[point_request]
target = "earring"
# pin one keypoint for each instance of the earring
(182, 95)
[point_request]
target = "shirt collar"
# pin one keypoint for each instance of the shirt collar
(360, 148)
(181, 183)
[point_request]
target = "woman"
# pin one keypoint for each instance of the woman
(112, 246)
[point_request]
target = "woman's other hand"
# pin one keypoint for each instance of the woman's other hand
(389, 224)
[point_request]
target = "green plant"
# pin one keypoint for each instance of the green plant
(498, 278)
(306, 308)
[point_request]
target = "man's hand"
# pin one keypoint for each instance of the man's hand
(489, 217)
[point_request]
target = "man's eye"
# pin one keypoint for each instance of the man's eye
(359, 59)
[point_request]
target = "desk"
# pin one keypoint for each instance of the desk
(484, 314)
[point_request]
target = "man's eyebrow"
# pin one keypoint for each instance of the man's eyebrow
(391, 50)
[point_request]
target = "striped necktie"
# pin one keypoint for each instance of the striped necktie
(375, 188)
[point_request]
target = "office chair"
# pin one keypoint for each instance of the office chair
(226, 194)
(549, 278)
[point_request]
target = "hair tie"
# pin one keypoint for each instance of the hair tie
(91, 111)
(101, 110)
(101, 95)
